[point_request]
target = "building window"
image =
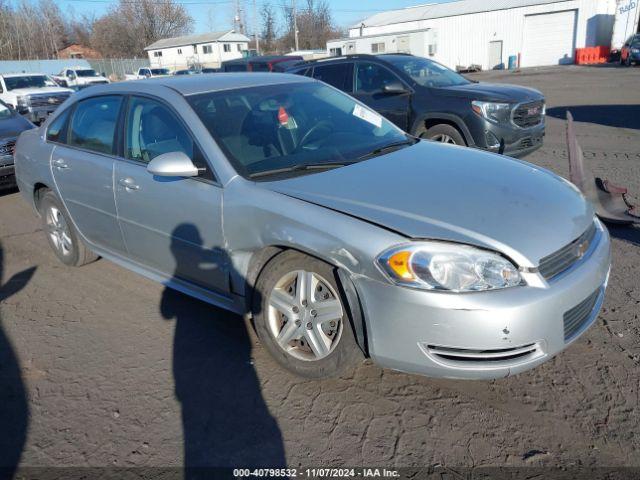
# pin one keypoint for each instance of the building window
(157, 54)
(207, 49)
(227, 47)
(377, 47)
(76, 55)
(179, 51)
(335, 52)
(239, 47)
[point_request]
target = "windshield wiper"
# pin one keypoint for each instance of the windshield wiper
(388, 148)
(302, 167)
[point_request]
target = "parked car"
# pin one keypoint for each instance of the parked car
(268, 63)
(146, 72)
(79, 77)
(209, 70)
(34, 95)
(11, 125)
(342, 235)
(431, 101)
(273, 63)
(186, 71)
(630, 52)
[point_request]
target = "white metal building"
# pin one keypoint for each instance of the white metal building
(207, 49)
(485, 32)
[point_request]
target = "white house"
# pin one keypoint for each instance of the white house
(485, 32)
(207, 49)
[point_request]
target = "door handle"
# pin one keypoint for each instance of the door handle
(60, 164)
(128, 183)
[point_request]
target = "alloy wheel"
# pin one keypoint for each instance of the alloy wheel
(305, 315)
(58, 231)
(443, 138)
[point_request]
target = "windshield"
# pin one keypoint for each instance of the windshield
(278, 127)
(160, 71)
(28, 81)
(427, 72)
(86, 73)
(5, 112)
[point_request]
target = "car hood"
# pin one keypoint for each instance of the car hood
(437, 191)
(13, 126)
(493, 92)
(40, 91)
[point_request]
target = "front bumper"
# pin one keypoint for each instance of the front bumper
(518, 142)
(7, 174)
(482, 335)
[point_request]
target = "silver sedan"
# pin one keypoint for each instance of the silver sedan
(343, 237)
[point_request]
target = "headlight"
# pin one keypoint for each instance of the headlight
(494, 112)
(448, 266)
(635, 50)
(22, 101)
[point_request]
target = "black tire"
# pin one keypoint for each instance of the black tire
(343, 357)
(78, 253)
(439, 131)
(627, 62)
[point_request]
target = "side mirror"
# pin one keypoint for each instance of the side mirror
(394, 88)
(172, 164)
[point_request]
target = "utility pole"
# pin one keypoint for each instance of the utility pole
(295, 24)
(255, 28)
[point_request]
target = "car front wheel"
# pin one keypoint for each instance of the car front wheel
(442, 133)
(301, 318)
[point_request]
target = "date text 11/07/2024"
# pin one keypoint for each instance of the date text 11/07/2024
(315, 473)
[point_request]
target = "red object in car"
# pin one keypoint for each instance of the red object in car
(283, 116)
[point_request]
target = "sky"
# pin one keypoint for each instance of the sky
(215, 15)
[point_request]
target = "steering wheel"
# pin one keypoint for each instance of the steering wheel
(326, 124)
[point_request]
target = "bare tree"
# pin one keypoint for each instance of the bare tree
(130, 26)
(269, 28)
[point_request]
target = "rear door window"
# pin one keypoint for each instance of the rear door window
(339, 75)
(94, 122)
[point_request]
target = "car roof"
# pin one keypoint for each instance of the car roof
(354, 56)
(194, 84)
(23, 74)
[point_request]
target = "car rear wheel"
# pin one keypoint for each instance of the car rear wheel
(61, 234)
(442, 133)
(301, 317)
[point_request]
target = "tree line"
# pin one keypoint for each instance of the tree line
(38, 29)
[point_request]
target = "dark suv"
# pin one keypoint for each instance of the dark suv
(431, 101)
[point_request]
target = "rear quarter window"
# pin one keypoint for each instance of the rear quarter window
(57, 131)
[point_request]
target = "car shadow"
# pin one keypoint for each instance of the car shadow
(620, 116)
(628, 233)
(14, 409)
(226, 422)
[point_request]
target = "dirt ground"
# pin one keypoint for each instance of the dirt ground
(100, 367)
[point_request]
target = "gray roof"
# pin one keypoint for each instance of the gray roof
(194, 84)
(196, 39)
(447, 9)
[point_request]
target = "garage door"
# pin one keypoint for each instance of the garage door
(549, 39)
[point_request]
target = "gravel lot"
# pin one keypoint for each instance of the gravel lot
(100, 367)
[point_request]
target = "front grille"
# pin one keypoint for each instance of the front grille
(477, 357)
(6, 148)
(576, 318)
(528, 114)
(561, 260)
(53, 100)
(526, 142)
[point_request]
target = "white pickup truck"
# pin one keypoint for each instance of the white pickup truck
(146, 72)
(33, 95)
(79, 77)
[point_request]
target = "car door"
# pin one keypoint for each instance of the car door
(82, 163)
(170, 224)
(370, 80)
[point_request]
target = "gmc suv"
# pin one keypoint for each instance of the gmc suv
(428, 100)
